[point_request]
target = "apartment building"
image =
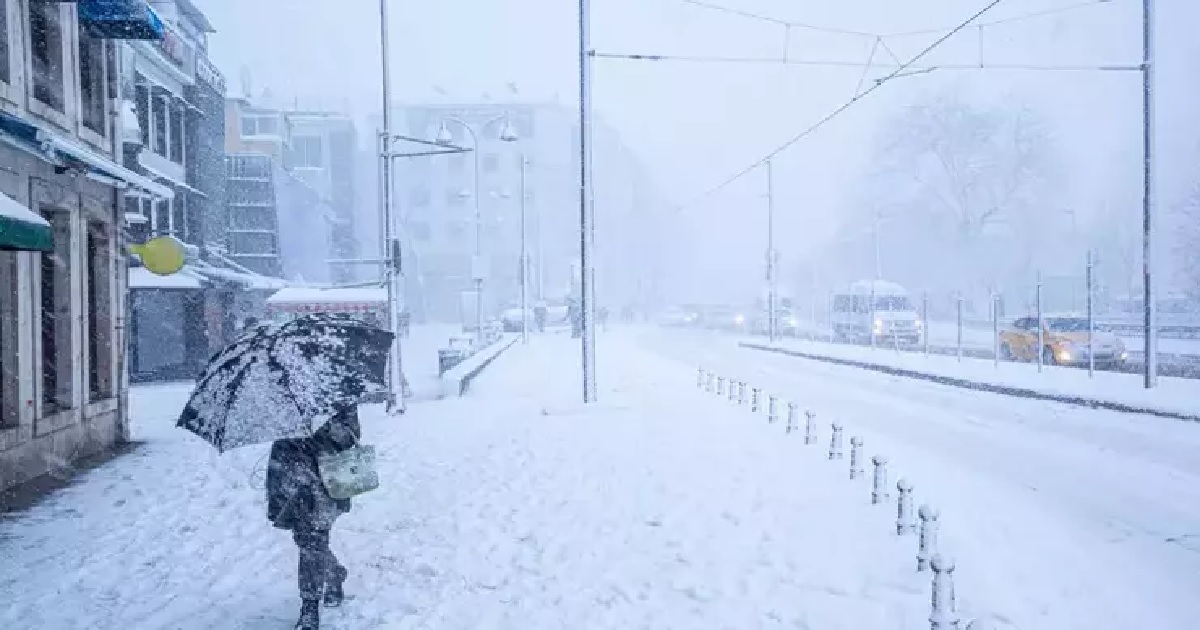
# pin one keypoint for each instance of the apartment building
(64, 190)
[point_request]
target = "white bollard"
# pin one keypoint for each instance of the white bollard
(810, 427)
(754, 396)
(732, 390)
(856, 466)
(772, 414)
(720, 385)
(741, 392)
(699, 378)
(928, 538)
(944, 613)
(835, 442)
(879, 493)
(708, 387)
(791, 418)
(982, 624)
(904, 509)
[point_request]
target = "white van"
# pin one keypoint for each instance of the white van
(875, 308)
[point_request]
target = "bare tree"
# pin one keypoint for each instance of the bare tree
(971, 171)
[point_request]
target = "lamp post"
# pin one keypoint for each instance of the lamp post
(445, 138)
(1150, 312)
(390, 246)
(772, 283)
(586, 204)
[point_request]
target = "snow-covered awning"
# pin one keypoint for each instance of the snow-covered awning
(142, 278)
(23, 229)
(318, 300)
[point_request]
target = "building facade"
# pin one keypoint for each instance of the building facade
(435, 200)
(62, 312)
(291, 194)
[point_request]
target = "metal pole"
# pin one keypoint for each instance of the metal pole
(871, 329)
(1150, 333)
(771, 324)
(395, 287)
(996, 329)
(478, 242)
(586, 234)
(1090, 317)
(524, 264)
(925, 318)
(959, 316)
(1041, 324)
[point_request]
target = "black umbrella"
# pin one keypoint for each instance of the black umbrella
(276, 380)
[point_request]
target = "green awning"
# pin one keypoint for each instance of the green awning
(23, 229)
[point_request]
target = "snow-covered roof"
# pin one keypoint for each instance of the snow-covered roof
(13, 209)
(142, 278)
(294, 295)
(878, 287)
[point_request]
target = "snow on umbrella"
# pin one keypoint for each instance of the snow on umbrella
(274, 381)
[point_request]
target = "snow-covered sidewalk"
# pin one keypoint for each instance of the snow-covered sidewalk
(1172, 395)
(513, 507)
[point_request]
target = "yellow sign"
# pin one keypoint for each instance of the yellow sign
(162, 255)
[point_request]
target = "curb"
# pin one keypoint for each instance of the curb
(456, 380)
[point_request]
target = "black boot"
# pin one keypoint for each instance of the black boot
(334, 594)
(310, 615)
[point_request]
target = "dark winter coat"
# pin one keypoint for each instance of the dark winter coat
(296, 496)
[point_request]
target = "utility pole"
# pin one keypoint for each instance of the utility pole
(1150, 334)
(391, 241)
(524, 262)
(772, 290)
(586, 218)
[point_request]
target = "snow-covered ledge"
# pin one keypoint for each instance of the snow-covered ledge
(457, 379)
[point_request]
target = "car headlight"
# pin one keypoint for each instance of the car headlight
(740, 319)
(879, 324)
(792, 321)
(920, 324)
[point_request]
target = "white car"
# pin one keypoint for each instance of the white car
(875, 310)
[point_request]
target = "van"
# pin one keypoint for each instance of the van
(875, 310)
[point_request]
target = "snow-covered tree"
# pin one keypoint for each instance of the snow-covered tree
(968, 187)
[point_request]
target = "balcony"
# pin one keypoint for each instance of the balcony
(120, 19)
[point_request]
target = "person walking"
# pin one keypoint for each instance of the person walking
(297, 500)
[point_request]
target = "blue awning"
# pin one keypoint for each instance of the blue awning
(120, 19)
(55, 149)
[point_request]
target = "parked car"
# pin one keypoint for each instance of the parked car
(876, 309)
(1064, 342)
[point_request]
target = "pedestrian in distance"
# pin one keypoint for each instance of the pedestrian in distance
(297, 500)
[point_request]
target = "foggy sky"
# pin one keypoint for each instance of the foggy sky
(696, 123)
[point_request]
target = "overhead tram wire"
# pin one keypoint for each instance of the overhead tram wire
(835, 113)
(841, 63)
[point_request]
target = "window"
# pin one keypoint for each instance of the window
(161, 217)
(306, 152)
(489, 162)
(419, 197)
(99, 305)
(46, 51)
(419, 230)
(176, 130)
(455, 197)
(159, 116)
(10, 373)
(91, 83)
(259, 125)
(892, 303)
(457, 163)
(56, 268)
(179, 218)
(252, 242)
(5, 55)
(142, 95)
(842, 303)
(252, 219)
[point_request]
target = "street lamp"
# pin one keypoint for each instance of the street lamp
(445, 138)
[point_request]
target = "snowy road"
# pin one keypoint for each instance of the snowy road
(1097, 514)
(514, 507)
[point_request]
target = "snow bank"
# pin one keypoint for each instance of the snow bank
(1177, 397)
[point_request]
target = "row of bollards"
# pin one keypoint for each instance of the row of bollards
(925, 523)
